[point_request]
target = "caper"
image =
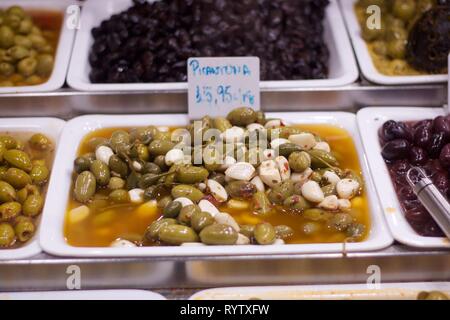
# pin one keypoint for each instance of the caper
(240, 189)
(172, 209)
(44, 65)
(133, 180)
(118, 138)
(118, 166)
(191, 175)
(18, 159)
(85, 186)
(150, 167)
(265, 234)
(286, 149)
(7, 192)
(164, 201)
(299, 161)
(7, 235)
(186, 214)
(316, 215)
(148, 180)
(218, 177)
(248, 230)
(119, 196)
(242, 116)
(341, 221)
(329, 190)
(140, 151)
(160, 161)
(10, 210)
(163, 135)
(152, 232)
(297, 202)
(24, 230)
(143, 135)
(283, 232)
(39, 174)
(218, 234)
(201, 220)
(177, 234)
(160, 147)
(101, 172)
(82, 164)
(187, 191)
(322, 159)
(33, 205)
(281, 191)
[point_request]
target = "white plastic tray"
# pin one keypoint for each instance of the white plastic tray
(388, 291)
(52, 128)
(83, 295)
(52, 237)
(342, 71)
(369, 122)
(365, 61)
(63, 51)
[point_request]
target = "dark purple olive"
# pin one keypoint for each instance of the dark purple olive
(400, 167)
(431, 229)
(396, 149)
(441, 124)
(406, 193)
(437, 142)
(392, 130)
(422, 123)
(418, 156)
(444, 157)
(418, 215)
(441, 182)
(422, 136)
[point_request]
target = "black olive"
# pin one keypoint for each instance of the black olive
(396, 149)
(437, 142)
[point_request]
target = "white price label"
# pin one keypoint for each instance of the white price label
(218, 85)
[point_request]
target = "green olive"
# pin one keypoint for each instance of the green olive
(7, 235)
(33, 205)
(404, 9)
(101, 172)
(219, 234)
(200, 220)
(27, 66)
(396, 49)
(172, 209)
(150, 167)
(265, 234)
(143, 135)
(152, 232)
(281, 191)
(284, 232)
(432, 295)
(380, 48)
(240, 189)
(119, 196)
(44, 65)
(286, 149)
(22, 194)
(242, 116)
(6, 37)
(260, 117)
(329, 190)
(299, 161)
(341, 221)
(8, 141)
(248, 230)
(221, 124)
(40, 142)
(218, 177)
(116, 183)
(322, 159)
(297, 202)
(17, 178)
(160, 147)
(85, 186)
(142, 152)
(396, 34)
(7, 192)
(160, 161)
(17, 11)
(23, 41)
(371, 34)
(355, 230)
(261, 203)
(282, 132)
(82, 164)
(118, 166)
(191, 175)
(187, 191)
(6, 69)
(39, 174)
(18, 159)
(316, 215)
(3, 170)
(33, 80)
(177, 234)
(96, 142)
(25, 26)
(24, 230)
(18, 52)
(10, 210)
(186, 214)
(38, 41)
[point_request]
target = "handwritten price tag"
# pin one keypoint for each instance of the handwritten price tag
(218, 85)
